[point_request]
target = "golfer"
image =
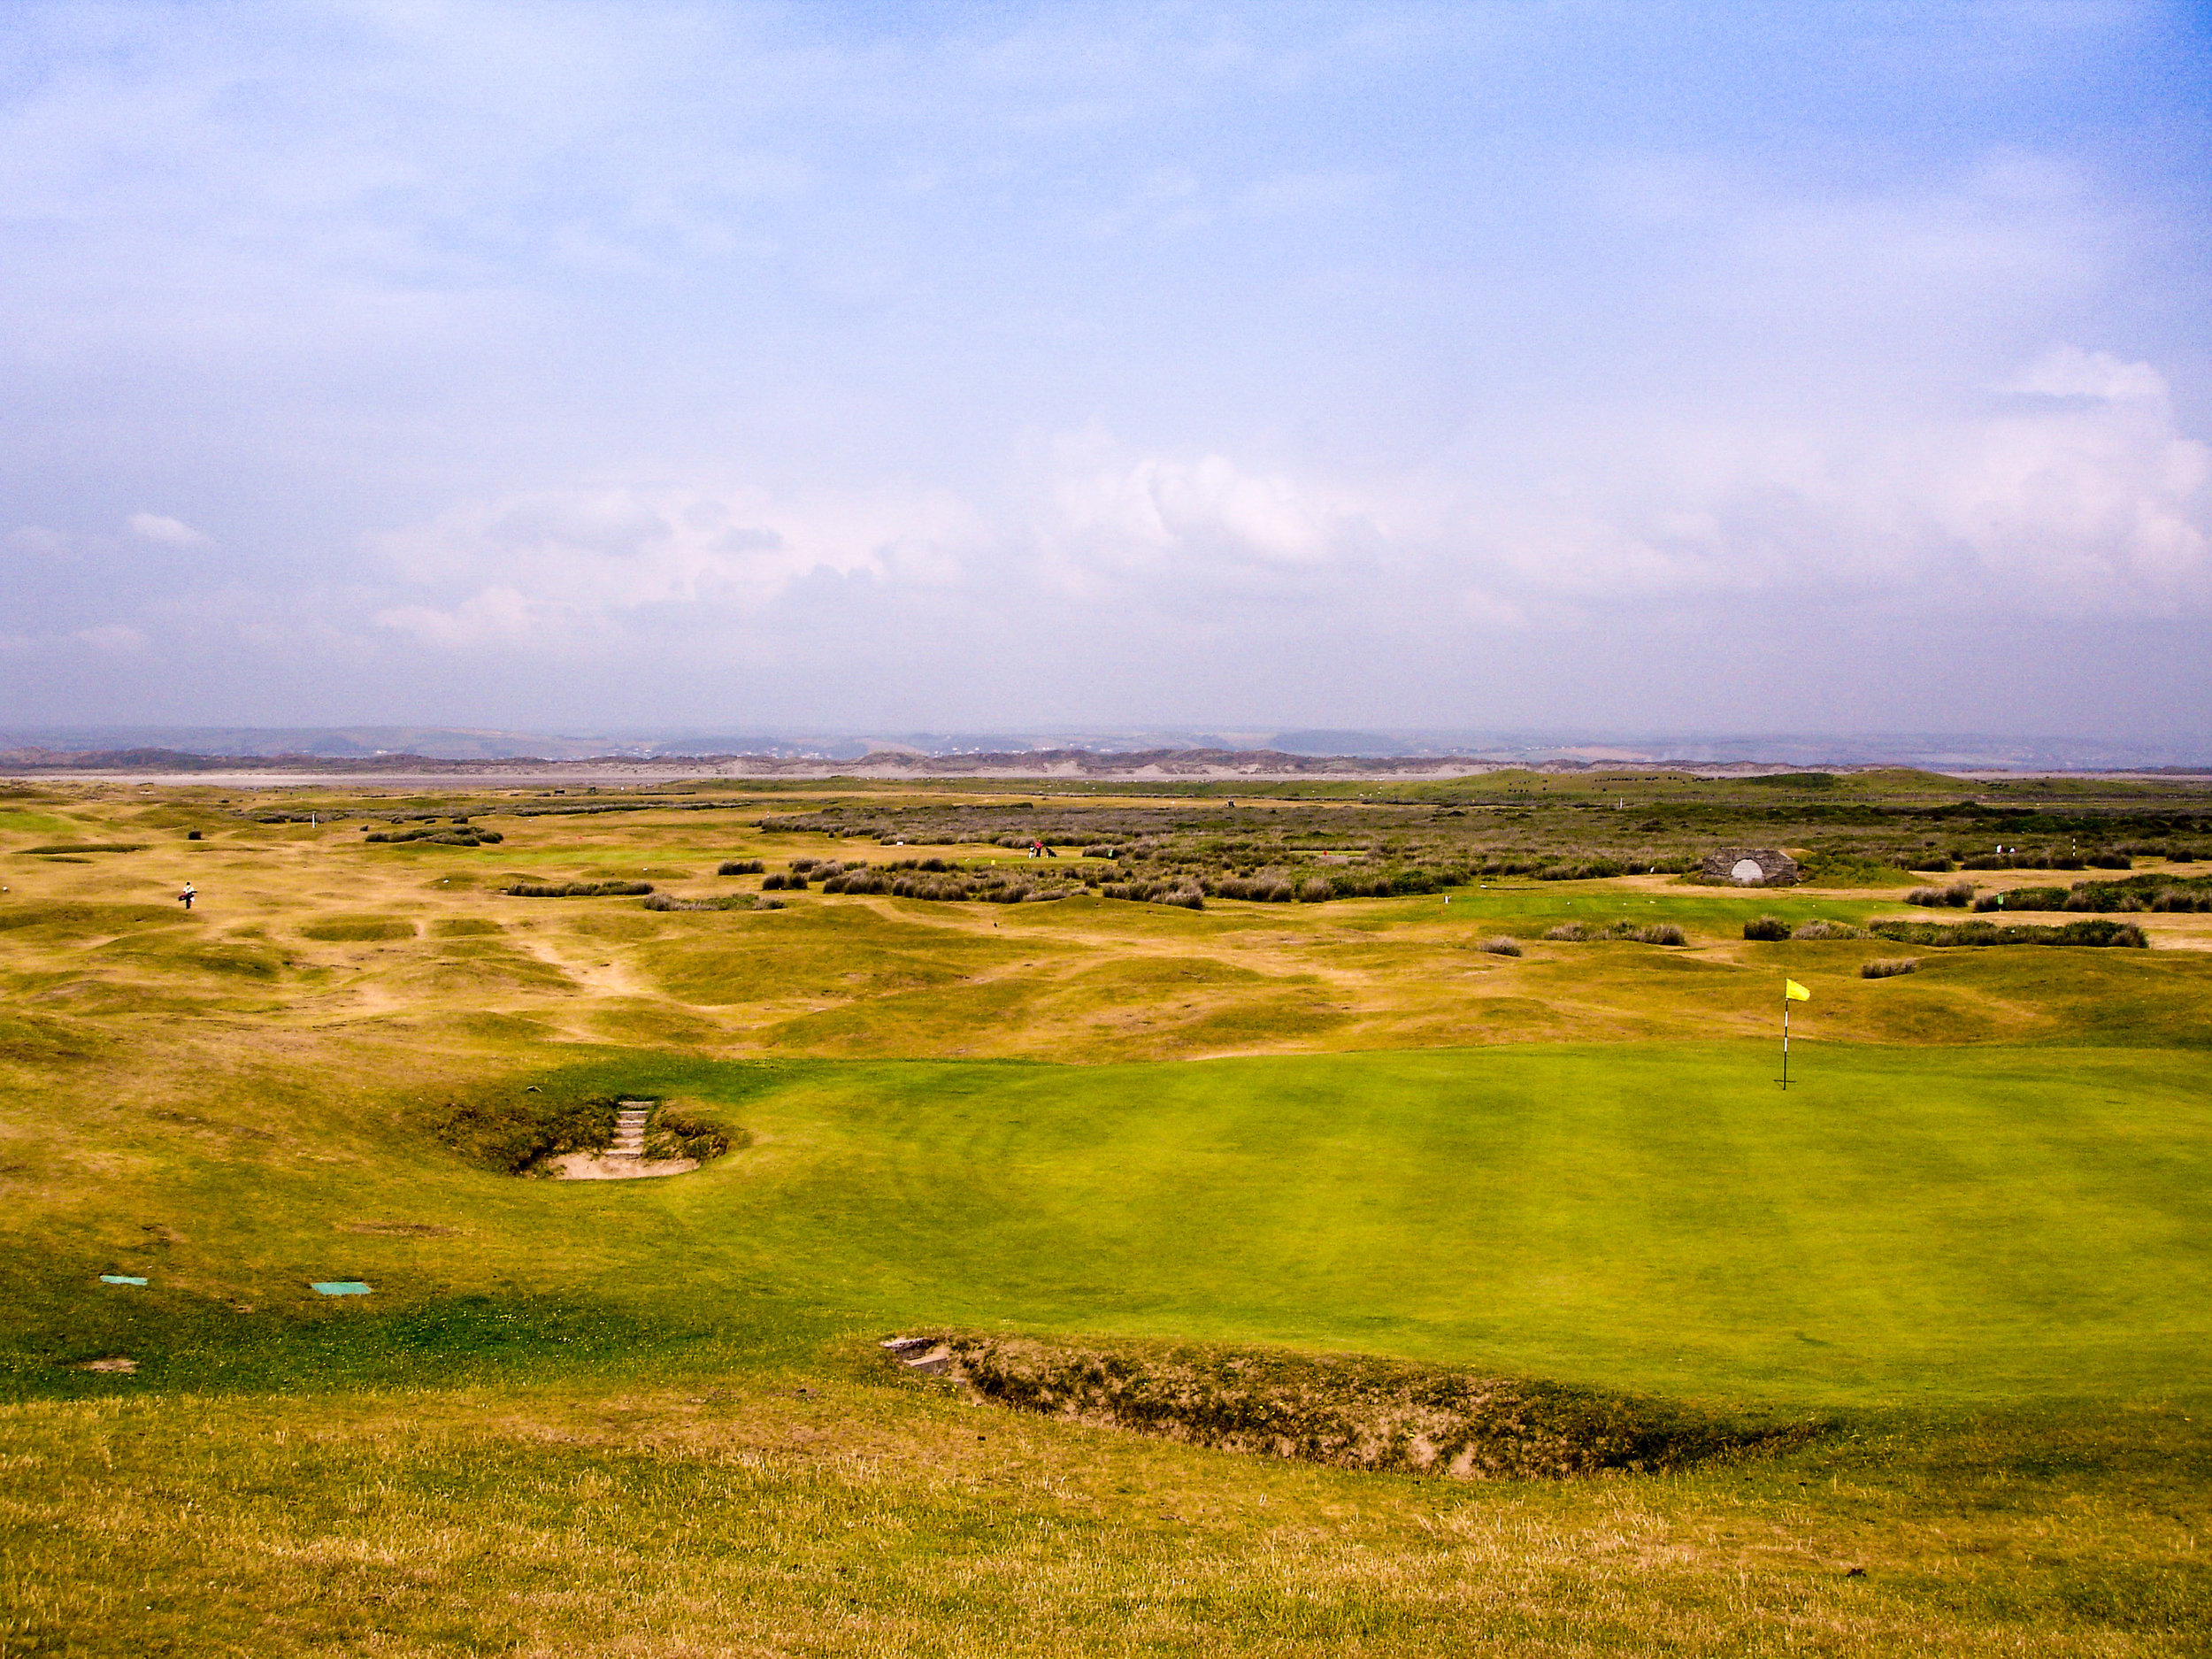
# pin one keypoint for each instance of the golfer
(186, 898)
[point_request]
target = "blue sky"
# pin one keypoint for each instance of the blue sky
(1638, 367)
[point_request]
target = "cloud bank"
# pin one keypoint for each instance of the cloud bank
(1393, 364)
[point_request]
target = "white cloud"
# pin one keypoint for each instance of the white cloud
(1189, 519)
(2067, 504)
(557, 565)
(2070, 371)
(153, 527)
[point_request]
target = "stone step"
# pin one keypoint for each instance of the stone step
(631, 1118)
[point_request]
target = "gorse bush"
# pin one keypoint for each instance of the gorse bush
(469, 835)
(1956, 894)
(2098, 932)
(1582, 933)
(1766, 927)
(1819, 929)
(1266, 888)
(574, 889)
(1888, 967)
(2136, 893)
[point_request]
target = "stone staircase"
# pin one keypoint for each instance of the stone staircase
(629, 1128)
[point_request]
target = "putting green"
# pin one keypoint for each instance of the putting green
(1902, 1224)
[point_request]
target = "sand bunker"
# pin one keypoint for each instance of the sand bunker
(1353, 1410)
(594, 1166)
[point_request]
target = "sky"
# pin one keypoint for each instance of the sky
(1723, 367)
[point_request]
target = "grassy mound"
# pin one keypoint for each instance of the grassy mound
(1353, 1410)
(358, 929)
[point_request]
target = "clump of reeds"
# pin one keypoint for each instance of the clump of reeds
(1766, 927)
(1888, 967)
(740, 867)
(1501, 945)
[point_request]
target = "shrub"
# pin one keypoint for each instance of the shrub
(1826, 930)
(1888, 967)
(721, 902)
(1957, 894)
(1766, 927)
(2099, 932)
(467, 836)
(1656, 933)
(766, 903)
(740, 867)
(1314, 889)
(2178, 899)
(1501, 945)
(2110, 861)
(2023, 899)
(574, 889)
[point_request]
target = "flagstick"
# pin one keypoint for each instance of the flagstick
(1786, 1040)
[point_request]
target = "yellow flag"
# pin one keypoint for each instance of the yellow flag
(1795, 992)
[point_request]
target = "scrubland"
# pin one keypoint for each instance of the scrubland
(1961, 1269)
